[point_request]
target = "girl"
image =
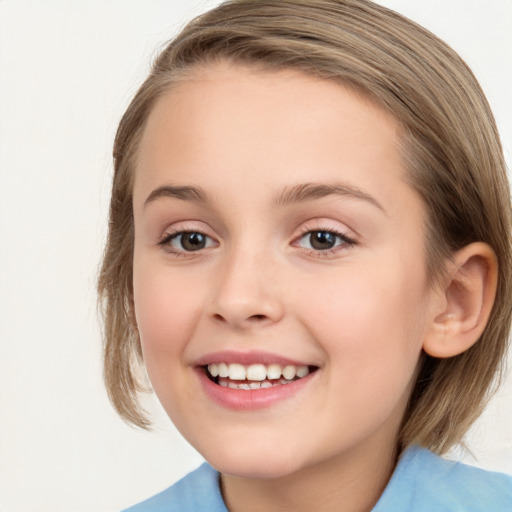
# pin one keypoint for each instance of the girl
(309, 250)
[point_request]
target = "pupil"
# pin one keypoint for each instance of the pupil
(322, 240)
(193, 241)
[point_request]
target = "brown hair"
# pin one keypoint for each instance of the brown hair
(450, 145)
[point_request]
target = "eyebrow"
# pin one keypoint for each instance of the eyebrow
(312, 191)
(289, 195)
(185, 193)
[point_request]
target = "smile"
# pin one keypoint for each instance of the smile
(249, 381)
(255, 376)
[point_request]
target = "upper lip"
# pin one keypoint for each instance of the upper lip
(246, 358)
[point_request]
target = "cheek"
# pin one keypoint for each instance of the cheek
(165, 317)
(370, 321)
(164, 311)
(373, 340)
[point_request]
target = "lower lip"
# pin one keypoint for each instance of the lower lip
(251, 399)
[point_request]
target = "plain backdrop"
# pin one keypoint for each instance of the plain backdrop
(67, 71)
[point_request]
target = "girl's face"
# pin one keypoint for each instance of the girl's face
(276, 238)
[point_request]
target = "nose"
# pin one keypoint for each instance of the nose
(247, 294)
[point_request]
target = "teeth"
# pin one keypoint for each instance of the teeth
(274, 371)
(302, 371)
(289, 372)
(223, 370)
(257, 373)
(214, 370)
(246, 385)
(236, 372)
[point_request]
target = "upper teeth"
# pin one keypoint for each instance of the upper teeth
(258, 372)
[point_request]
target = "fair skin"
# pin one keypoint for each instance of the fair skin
(303, 246)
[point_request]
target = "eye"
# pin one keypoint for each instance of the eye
(187, 241)
(323, 240)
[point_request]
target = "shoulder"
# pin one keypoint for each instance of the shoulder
(424, 482)
(198, 490)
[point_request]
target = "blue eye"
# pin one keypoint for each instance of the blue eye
(187, 241)
(323, 240)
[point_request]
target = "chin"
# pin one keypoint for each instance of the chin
(243, 464)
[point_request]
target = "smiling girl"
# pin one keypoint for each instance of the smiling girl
(309, 252)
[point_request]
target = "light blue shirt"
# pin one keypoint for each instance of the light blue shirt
(422, 482)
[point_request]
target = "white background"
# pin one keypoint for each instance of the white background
(67, 71)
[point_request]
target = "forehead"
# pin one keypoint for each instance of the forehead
(209, 89)
(241, 123)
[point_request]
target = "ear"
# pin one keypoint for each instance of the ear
(462, 305)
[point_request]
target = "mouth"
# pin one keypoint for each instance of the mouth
(255, 376)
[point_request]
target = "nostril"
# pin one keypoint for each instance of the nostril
(257, 317)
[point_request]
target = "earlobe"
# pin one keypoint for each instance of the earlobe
(464, 302)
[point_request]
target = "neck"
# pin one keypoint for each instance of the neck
(352, 482)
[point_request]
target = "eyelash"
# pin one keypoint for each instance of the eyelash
(346, 242)
(168, 238)
(165, 242)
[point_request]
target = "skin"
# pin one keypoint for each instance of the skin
(359, 312)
